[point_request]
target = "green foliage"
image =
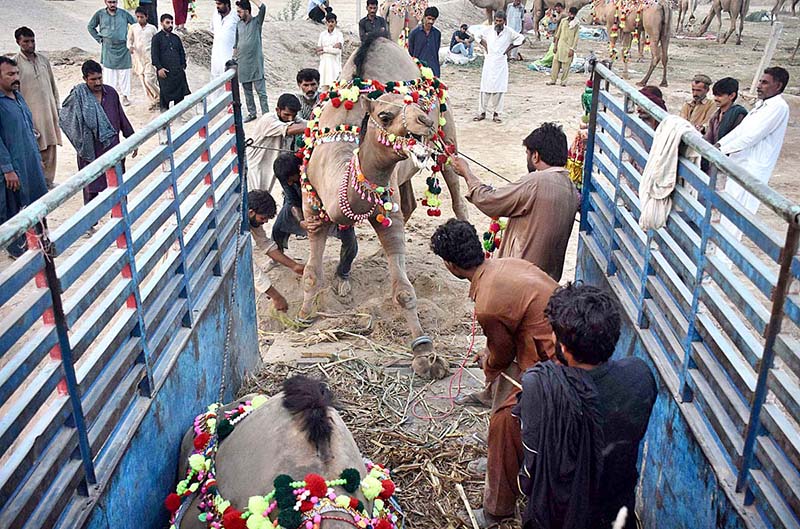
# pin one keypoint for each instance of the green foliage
(290, 11)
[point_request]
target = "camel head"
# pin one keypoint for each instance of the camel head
(402, 129)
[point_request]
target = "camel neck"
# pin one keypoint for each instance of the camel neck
(377, 161)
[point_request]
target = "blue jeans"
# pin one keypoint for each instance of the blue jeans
(460, 49)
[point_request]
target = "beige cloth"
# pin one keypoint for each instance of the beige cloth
(698, 114)
(49, 161)
(270, 132)
(541, 209)
(491, 102)
(38, 87)
(262, 244)
(140, 41)
(566, 39)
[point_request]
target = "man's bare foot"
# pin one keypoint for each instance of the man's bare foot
(477, 398)
(125, 101)
(487, 520)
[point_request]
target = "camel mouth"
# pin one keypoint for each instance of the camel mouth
(418, 137)
(419, 154)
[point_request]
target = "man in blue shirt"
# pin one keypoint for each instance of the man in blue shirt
(424, 41)
(20, 162)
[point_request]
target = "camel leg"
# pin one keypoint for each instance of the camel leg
(425, 363)
(730, 30)
(538, 13)
(655, 57)
(741, 29)
(490, 15)
(718, 12)
(313, 275)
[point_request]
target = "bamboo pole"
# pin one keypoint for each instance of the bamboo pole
(769, 52)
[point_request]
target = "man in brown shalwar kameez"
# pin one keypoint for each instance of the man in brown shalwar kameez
(510, 296)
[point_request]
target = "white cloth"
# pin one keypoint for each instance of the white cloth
(119, 80)
(514, 16)
(140, 41)
(494, 77)
(270, 132)
(490, 102)
(262, 245)
(224, 30)
(330, 62)
(660, 173)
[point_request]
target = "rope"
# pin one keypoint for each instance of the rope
(251, 143)
(479, 164)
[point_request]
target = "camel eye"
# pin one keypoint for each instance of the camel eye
(386, 117)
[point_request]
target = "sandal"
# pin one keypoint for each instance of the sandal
(497, 119)
(479, 117)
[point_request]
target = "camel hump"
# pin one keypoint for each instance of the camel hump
(309, 400)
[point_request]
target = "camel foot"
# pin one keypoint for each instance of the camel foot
(424, 368)
(640, 83)
(342, 287)
(663, 84)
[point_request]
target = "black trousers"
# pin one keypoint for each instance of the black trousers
(317, 14)
(152, 13)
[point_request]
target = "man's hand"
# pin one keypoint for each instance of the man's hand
(280, 303)
(12, 181)
(135, 153)
(311, 225)
(460, 166)
(338, 45)
(299, 268)
(555, 49)
(162, 73)
(131, 50)
(571, 53)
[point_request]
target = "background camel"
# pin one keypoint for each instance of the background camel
(686, 9)
(649, 21)
(402, 16)
(382, 60)
(737, 10)
(779, 6)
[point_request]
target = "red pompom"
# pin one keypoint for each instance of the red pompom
(172, 502)
(323, 96)
(387, 490)
(232, 519)
(348, 105)
(307, 132)
(438, 213)
(383, 523)
(201, 441)
(424, 201)
(450, 148)
(305, 506)
(435, 168)
(336, 102)
(415, 96)
(316, 485)
(497, 242)
(353, 502)
(441, 159)
(430, 213)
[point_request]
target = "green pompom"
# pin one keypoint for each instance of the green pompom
(281, 481)
(352, 478)
(290, 518)
(224, 428)
(356, 80)
(442, 108)
(284, 497)
(375, 94)
(390, 86)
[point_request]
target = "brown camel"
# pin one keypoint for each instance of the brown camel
(647, 21)
(402, 16)
(686, 9)
(779, 6)
(737, 10)
(295, 433)
(384, 167)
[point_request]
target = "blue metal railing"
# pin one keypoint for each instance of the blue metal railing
(88, 313)
(724, 336)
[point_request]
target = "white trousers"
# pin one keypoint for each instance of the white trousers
(491, 102)
(748, 202)
(119, 80)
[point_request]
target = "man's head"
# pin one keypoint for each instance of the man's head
(572, 13)
(286, 168)
(499, 20)
(25, 39)
(464, 28)
(244, 9)
(141, 16)
(654, 94)
(330, 22)
(700, 86)
(9, 74)
(725, 91)
(772, 82)
(223, 6)
(546, 147)
(93, 75)
(260, 207)
(559, 8)
(111, 6)
(167, 22)
(517, 3)
(586, 322)
(288, 107)
(372, 8)
(457, 243)
(429, 18)
(308, 82)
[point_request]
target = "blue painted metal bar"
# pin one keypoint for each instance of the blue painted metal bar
(21, 272)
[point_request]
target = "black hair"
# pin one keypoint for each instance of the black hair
(586, 320)
(463, 26)
(289, 102)
(330, 16)
(7, 60)
(223, 1)
(285, 166)
(559, 4)
(573, 10)
(550, 142)
(372, 2)
(431, 12)
(457, 242)
(245, 4)
(780, 75)
(307, 74)
(166, 16)
(726, 86)
(23, 31)
(91, 66)
(141, 11)
(261, 202)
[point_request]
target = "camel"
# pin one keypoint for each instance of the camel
(538, 9)
(402, 16)
(737, 10)
(686, 9)
(394, 133)
(779, 6)
(650, 20)
(294, 433)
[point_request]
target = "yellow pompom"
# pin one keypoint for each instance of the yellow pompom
(317, 111)
(371, 487)
(442, 121)
(343, 502)
(257, 504)
(258, 401)
(197, 462)
(426, 72)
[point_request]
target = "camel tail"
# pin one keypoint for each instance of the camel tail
(309, 400)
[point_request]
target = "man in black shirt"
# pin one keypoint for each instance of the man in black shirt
(169, 60)
(582, 419)
(372, 22)
(461, 43)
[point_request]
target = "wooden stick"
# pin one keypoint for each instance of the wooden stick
(791, 60)
(516, 384)
(769, 51)
(471, 514)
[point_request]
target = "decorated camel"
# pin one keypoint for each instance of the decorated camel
(402, 16)
(686, 9)
(642, 23)
(779, 6)
(288, 458)
(737, 9)
(395, 111)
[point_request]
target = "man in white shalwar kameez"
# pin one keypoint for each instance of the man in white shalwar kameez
(756, 143)
(497, 41)
(329, 49)
(140, 38)
(223, 26)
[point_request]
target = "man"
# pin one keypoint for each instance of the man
(510, 296)
(260, 209)
(424, 41)
(329, 49)
(515, 12)
(223, 26)
(317, 9)
(564, 43)
(756, 143)
(109, 27)
(39, 89)
(290, 220)
(248, 51)
(308, 83)
(140, 39)
(169, 59)
(583, 420)
(92, 118)
(699, 109)
(274, 132)
(497, 42)
(728, 115)
(462, 43)
(151, 11)
(549, 22)
(372, 23)
(20, 162)
(181, 8)
(540, 206)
